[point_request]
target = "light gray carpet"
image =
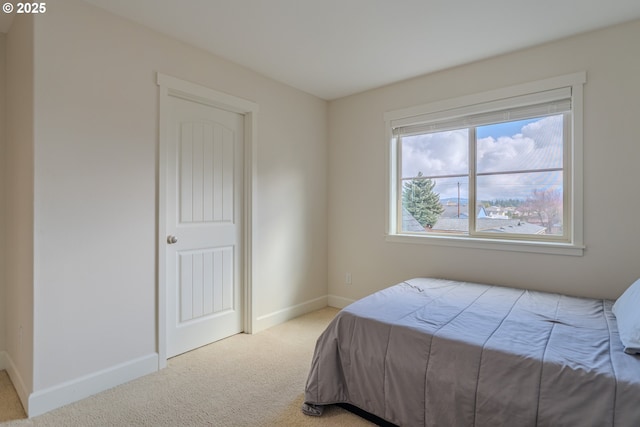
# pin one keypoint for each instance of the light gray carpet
(244, 380)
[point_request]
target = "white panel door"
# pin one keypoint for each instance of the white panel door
(204, 225)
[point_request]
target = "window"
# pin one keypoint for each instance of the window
(500, 169)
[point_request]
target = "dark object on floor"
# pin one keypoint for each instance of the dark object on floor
(367, 416)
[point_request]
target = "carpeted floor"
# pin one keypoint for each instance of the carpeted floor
(244, 380)
(10, 406)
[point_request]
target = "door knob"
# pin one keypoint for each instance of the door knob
(171, 240)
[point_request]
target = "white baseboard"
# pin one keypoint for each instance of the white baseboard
(272, 319)
(7, 364)
(339, 302)
(71, 391)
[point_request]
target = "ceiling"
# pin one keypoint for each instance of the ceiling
(334, 48)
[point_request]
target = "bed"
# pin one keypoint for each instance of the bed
(435, 352)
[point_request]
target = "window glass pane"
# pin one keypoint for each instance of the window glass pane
(435, 183)
(520, 145)
(436, 154)
(521, 203)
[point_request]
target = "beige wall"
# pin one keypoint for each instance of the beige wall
(611, 58)
(96, 133)
(19, 303)
(3, 181)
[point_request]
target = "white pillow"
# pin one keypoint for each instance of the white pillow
(627, 311)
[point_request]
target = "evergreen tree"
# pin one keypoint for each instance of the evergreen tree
(421, 201)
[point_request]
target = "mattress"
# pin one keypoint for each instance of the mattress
(434, 352)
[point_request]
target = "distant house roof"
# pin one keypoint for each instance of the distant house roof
(451, 210)
(409, 222)
(461, 224)
(510, 226)
(491, 225)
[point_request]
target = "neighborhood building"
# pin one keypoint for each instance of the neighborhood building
(455, 220)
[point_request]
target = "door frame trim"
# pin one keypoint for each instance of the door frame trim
(175, 87)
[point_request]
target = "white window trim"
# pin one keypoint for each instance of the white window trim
(413, 115)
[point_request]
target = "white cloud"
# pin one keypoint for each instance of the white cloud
(442, 153)
(538, 145)
(546, 132)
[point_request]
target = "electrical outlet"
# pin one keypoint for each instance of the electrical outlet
(347, 278)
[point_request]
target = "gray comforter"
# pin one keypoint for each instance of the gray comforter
(432, 352)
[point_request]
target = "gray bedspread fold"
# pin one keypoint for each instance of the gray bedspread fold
(433, 352)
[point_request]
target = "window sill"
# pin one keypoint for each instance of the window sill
(550, 248)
